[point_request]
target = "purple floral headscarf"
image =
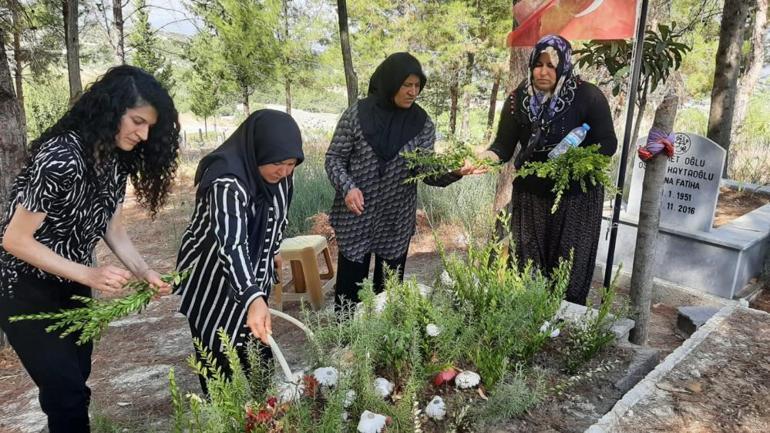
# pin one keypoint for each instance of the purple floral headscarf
(560, 51)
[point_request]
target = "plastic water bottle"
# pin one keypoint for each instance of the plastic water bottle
(573, 139)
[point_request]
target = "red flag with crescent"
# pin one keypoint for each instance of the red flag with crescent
(572, 19)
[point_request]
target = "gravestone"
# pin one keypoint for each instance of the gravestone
(691, 187)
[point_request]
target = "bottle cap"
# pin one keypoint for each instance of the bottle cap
(586, 127)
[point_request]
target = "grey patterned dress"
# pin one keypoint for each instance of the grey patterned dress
(388, 221)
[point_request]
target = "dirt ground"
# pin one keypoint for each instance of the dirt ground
(131, 362)
(722, 386)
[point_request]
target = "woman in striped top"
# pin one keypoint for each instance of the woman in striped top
(244, 191)
(66, 198)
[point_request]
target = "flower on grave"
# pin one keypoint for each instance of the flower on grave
(383, 387)
(371, 422)
(255, 418)
(546, 326)
(195, 397)
(436, 409)
(467, 379)
(311, 386)
(272, 401)
(432, 330)
(326, 376)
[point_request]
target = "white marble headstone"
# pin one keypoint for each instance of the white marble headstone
(691, 187)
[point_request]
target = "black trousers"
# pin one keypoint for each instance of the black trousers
(58, 366)
(259, 380)
(351, 274)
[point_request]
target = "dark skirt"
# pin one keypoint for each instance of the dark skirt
(544, 238)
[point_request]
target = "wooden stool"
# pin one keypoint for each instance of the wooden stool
(302, 252)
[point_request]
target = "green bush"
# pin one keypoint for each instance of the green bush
(45, 101)
(313, 193)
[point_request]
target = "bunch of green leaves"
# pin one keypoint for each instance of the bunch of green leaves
(578, 164)
(508, 305)
(426, 164)
(223, 410)
(92, 318)
(593, 332)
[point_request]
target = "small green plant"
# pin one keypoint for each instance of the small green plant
(517, 392)
(426, 164)
(92, 319)
(581, 164)
(593, 332)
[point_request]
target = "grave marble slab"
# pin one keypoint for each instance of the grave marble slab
(691, 187)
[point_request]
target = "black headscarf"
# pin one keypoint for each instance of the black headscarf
(387, 127)
(266, 136)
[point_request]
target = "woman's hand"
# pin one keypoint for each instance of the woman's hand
(258, 320)
(153, 279)
(354, 200)
(470, 168)
(107, 279)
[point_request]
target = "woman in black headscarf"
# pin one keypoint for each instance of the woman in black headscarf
(535, 117)
(374, 209)
(244, 191)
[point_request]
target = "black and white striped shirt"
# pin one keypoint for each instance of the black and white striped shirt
(226, 273)
(77, 202)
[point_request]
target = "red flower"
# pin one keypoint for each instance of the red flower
(311, 385)
(272, 402)
(263, 416)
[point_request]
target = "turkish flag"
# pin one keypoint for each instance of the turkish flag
(572, 19)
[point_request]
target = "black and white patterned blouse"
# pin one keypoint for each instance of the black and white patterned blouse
(226, 275)
(78, 205)
(388, 221)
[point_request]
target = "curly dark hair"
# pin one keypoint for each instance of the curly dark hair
(95, 116)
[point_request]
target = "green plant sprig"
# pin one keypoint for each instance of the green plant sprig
(431, 164)
(91, 319)
(582, 164)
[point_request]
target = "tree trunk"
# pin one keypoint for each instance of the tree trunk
(12, 135)
(728, 62)
(517, 71)
(492, 107)
(649, 220)
(347, 59)
(117, 22)
(471, 60)
(755, 62)
(454, 94)
(70, 9)
(206, 125)
(288, 96)
(18, 65)
(246, 109)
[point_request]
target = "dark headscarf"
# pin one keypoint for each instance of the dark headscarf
(266, 136)
(560, 51)
(543, 107)
(386, 127)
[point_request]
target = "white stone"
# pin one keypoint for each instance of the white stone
(383, 387)
(467, 379)
(446, 280)
(350, 397)
(436, 409)
(432, 330)
(291, 390)
(326, 376)
(371, 422)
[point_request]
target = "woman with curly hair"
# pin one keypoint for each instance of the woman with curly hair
(68, 195)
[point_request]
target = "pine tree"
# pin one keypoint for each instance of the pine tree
(146, 52)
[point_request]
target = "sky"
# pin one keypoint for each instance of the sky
(172, 16)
